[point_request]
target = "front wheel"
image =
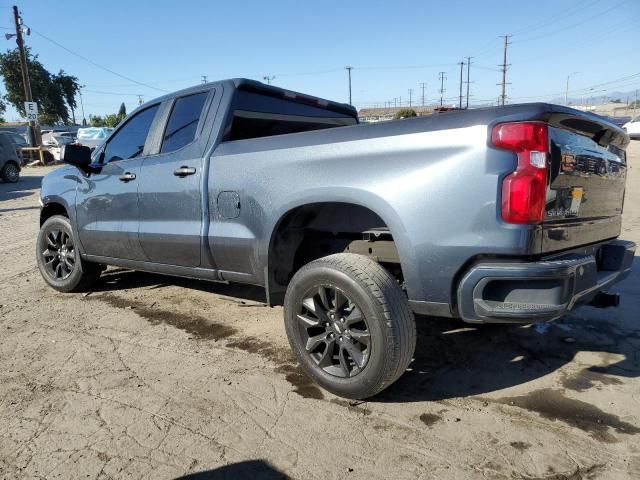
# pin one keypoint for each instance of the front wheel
(59, 259)
(349, 325)
(10, 173)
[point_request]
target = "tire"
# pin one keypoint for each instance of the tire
(347, 356)
(10, 172)
(59, 260)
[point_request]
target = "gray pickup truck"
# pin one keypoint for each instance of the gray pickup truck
(505, 214)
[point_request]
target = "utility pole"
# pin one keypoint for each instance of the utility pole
(423, 86)
(468, 81)
(348, 69)
(410, 94)
(442, 78)
(461, 70)
(140, 102)
(204, 79)
(268, 79)
(25, 73)
(503, 94)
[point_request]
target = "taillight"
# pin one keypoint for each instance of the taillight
(524, 191)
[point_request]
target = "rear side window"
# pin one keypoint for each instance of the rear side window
(257, 115)
(183, 121)
(128, 142)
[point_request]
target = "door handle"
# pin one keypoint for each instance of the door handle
(127, 177)
(184, 171)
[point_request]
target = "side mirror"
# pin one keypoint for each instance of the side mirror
(77, 155)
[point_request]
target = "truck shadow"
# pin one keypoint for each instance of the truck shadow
(454, 359)
(25, 187)
(249, 469)
(116, 279)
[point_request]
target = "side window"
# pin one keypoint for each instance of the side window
(129, 141)
(183, 121)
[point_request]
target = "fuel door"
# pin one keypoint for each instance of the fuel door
(229, 204)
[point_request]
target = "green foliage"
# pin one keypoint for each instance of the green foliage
(52, 92)
(405, 113)
(617, 100)
(110, 120)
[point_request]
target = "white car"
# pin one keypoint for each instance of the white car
(633, 128)
(53, 142)
(92, 136)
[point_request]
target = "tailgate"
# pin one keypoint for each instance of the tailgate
(587, 175)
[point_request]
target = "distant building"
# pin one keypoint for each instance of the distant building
(371, 115)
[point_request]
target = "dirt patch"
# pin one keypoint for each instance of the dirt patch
(588, 378)
(303, 385)
(356, 406)
(430, 418)
(551, 404)
(204, 329)
(521, 446)
(199, 327)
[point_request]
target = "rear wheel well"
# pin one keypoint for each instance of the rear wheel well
(51, 209)
(316, 230)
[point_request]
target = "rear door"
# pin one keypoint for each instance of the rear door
(586, 182)
(107, 201)
(170, 229)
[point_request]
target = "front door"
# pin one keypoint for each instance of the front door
(107, 202)
(170, 187)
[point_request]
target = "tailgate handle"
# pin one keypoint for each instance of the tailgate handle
(184, 171)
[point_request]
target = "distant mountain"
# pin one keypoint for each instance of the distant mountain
(599, 99)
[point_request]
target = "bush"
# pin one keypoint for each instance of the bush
(405, 113)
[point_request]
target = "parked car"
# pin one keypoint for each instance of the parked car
(480, 215)
(18, 140)
(92, 137)
(9, 160)
(53, 142)
(633, 128)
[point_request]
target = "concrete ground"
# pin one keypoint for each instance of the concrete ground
(155, 377)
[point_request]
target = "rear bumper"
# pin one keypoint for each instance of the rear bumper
(525, 292)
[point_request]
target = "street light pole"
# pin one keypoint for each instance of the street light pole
(84, 120)
(349, 70)
(566, 92)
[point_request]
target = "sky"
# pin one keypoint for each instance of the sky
(161, 46)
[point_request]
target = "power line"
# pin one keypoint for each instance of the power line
(599, 15)
(579, 6)
(97, 64)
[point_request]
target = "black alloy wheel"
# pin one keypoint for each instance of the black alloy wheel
(59, 256)
(334, 331)
(11, 173)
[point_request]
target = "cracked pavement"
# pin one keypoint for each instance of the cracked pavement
(150, 376)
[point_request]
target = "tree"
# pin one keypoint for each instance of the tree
(110, 120)
(617, 100)
(70, 88)
(405, 113)
(52, 92)
(122, 112)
